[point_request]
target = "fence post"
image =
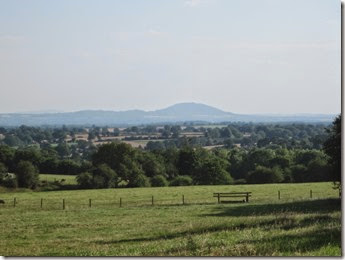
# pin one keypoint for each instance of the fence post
(247, 197)
(278, 194)
(183, 199)
(120, 202)
(311, 194)
(63, 203)
(89, 203)
(41, 203)
(152, 200)
(218, 198)
(14, 202)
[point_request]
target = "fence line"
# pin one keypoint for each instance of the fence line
(49, 203)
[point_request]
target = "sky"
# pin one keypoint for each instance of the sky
(251, 57)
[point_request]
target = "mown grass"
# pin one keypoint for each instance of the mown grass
(295, 225)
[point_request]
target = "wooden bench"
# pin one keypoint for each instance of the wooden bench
(220, 195)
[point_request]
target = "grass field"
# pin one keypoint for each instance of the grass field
(295, 225)
(69, 179)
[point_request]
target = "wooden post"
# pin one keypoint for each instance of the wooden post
(278, 194)
(63, 203)
(14, 202)
(311, 194)
(41, 203)
(247, 197)
(183, 199)
(218, 198)
(339, 192)
(152, 200)
(120, 202)
(89, 203)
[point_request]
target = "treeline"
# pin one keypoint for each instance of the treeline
(247, 135)
(120, 165)
(117, 165)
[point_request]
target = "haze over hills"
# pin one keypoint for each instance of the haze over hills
(181, 112)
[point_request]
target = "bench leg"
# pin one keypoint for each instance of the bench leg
(218, 198)
(247, 198)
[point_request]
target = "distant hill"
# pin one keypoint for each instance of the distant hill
(177, 113)
(190, 109)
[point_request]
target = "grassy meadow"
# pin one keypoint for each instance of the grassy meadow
(294, 225)
(66, 179)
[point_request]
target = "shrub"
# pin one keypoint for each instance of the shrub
(182, 180)
(9, 180)
(27, 175)
(140, 180)
(85, 180)
(263, 174)
(159, 181)
(299, 173)
(240, 181)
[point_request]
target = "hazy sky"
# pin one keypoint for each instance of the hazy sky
(242, 56)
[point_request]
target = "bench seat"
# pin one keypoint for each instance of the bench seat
(220, 195)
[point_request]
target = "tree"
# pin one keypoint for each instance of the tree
(85, 180)
(187, 161)
(263, 174)
(63, 150)
(151, 165)
(332, 148)
(140, 180)
(182, 180)
(27, 174)
(159, 181)
(6, 155)
(29, 154)
(213, 172)
(120, 157)
(105, 176)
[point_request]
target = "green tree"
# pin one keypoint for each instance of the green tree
(159, 181)
(140, 180)
(262, 174)
(122, 158)
(213, 172)
(27, 174)
(63, 150)
(151, 165)
(85, 180)
(182, 180)
(188, 161)
(105, 176)
(332, 148)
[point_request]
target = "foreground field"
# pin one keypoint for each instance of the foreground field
(294, 225)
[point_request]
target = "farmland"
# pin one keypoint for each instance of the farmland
(300, 223)
(66, 179)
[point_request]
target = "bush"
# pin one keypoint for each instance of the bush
(140, 181)
(9, 180)
(104, 177)
(240, 181)
(299, 173)
(159, 181)
(183, 180)
(27, 175)
(263, 174)
(85, 180)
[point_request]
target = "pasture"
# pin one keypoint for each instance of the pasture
(66, 179)
(300, 223)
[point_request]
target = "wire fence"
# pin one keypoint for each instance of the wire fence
(45, 203)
